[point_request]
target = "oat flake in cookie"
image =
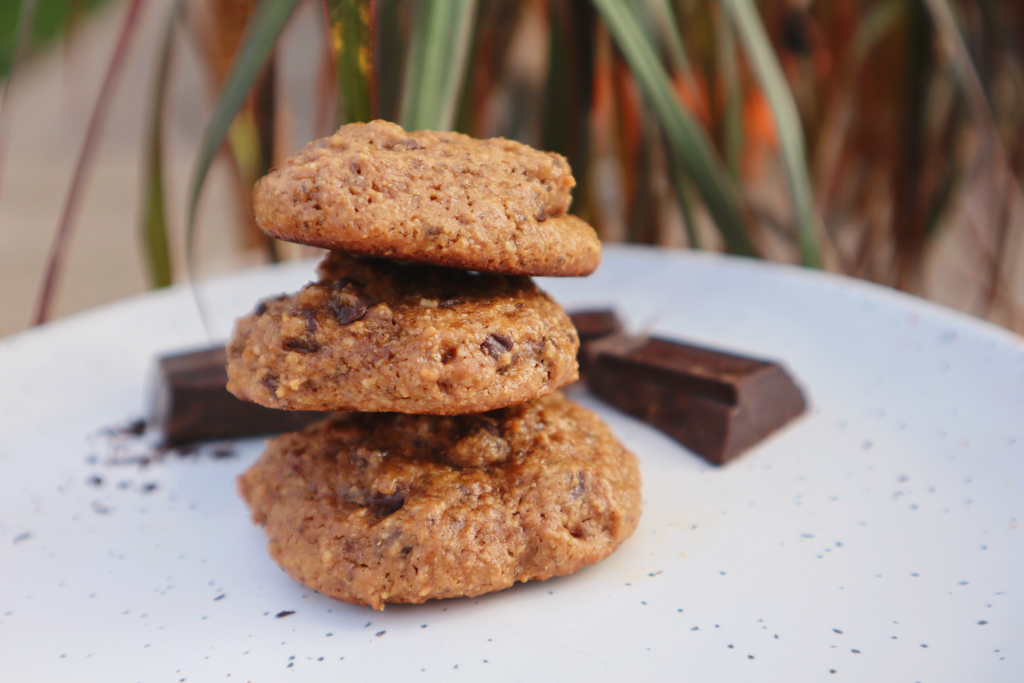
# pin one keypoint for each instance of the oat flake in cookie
(375, 335)
(438, 198)
(377, 508)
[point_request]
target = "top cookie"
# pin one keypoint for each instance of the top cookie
(443, 199)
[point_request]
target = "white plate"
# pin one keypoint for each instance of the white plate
(877, 537)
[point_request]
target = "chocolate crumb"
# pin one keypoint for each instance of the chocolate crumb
(136, 428)
(380, 633)
(23, 537)
(220, 597)
(149, 487)
(94, 480)
(284, 613)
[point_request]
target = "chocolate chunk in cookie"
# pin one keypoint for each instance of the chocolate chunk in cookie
(374, 335)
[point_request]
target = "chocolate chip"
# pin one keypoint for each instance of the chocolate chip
(577, 490)
(386, 504)
(261, 308)
(301, 345)
(350, 304)
(270, 382)
(311, 323)
(453, 301)
(497, 344)
(542, 215)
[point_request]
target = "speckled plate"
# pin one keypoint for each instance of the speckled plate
(874, 539)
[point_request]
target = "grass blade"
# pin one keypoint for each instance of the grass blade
(85, 156)
(351, 25)
(732, 115)
(435, 68)
(787, 121)
(265, 26)
(154, 218)
(664, 23)
(688, 140)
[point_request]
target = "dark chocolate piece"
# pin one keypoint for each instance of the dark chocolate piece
(350, 304)
(714, 403)
(192, 403)
(497, 344)
(592, 325)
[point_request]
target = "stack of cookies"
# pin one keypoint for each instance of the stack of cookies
(449, 464)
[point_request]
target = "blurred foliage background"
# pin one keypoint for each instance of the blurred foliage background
(881, 139)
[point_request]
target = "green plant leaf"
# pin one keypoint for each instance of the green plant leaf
(154, 218)
(687, 139)
(351, 25)
(265, 26)
(732, 116)
(436, 63)
(663, 23)
(787, 121)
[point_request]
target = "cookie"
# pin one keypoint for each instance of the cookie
(378, 508)
(376, 335)
(442, 199)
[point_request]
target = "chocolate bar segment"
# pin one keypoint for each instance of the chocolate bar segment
(592, 325)
(716, 404)
(192, 403)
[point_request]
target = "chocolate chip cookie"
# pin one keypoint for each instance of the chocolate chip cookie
(378, 508)
(374, 335)
(438, 198)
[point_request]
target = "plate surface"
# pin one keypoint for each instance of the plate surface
(878, 536)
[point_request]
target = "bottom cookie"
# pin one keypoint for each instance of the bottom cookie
(372, 508)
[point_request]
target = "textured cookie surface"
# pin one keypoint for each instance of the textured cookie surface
(443, 199)
(377, 508)
(376, 335)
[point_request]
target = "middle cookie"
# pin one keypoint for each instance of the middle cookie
(375, 335)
